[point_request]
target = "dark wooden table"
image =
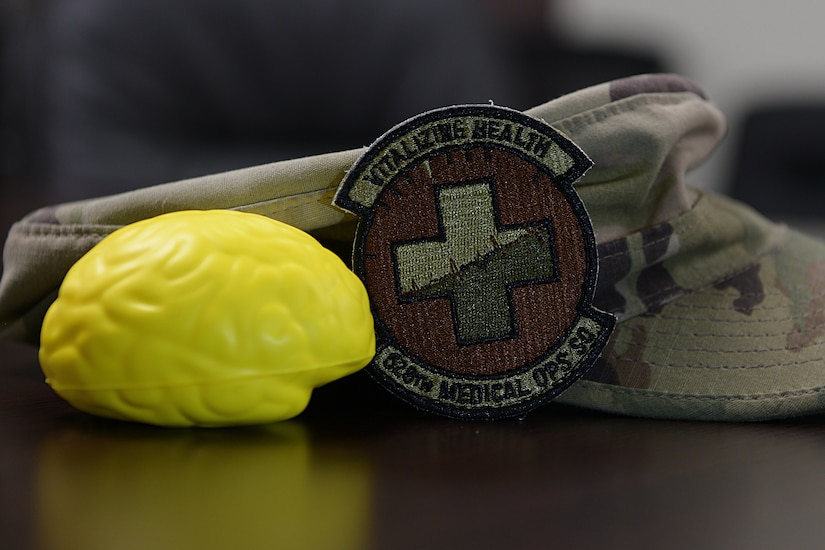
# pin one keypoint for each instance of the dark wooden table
(360, 470)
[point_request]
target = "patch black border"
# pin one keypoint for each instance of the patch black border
(399, 379)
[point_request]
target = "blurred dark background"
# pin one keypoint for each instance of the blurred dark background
(779, 163)
(101, 96)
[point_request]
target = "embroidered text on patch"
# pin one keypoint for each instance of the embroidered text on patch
(479, 260)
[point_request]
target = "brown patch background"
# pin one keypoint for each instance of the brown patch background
(406, 211)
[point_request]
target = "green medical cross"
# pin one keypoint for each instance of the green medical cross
(475, 263)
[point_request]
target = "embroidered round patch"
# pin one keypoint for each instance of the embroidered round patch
(479, 260)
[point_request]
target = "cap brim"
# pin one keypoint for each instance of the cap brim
(748, 347)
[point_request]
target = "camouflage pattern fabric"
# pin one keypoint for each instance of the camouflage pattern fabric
(721, 313)
(694, 342)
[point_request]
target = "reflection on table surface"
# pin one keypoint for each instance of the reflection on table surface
(360, 470)
(102, 487)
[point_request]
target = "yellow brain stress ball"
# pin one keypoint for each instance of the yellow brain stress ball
(206, 318)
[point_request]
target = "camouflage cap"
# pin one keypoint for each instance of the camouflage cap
(720, 312)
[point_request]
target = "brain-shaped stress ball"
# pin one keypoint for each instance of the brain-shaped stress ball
(207, 318)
